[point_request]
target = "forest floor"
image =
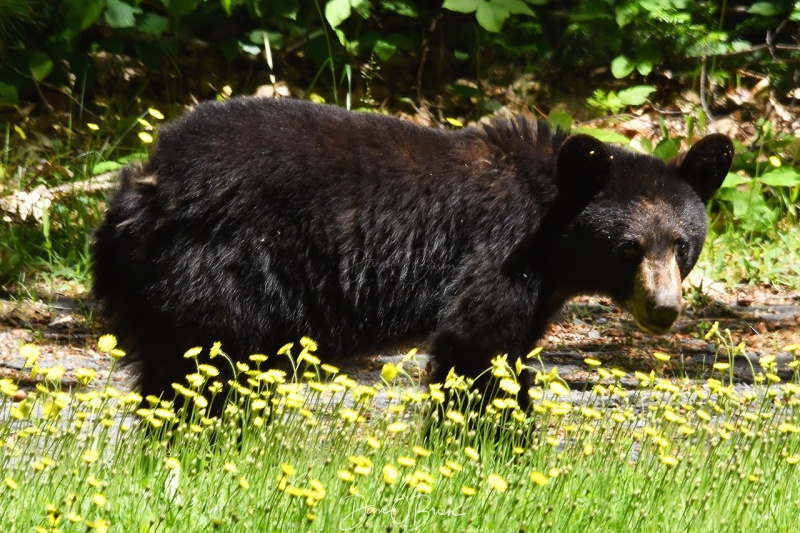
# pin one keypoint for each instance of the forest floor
(765, 319)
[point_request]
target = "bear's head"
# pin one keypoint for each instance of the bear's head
(637, 224)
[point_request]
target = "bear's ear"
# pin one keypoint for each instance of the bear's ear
(706, 164)
(583, 164)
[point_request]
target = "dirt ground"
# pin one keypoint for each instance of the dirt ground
(765, 319)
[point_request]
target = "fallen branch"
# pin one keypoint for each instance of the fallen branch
(21, 204)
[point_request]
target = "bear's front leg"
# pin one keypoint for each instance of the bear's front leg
(490, 315)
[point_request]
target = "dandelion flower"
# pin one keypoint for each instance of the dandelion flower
(155, 113)
(539, 478)
(31, 354)
(308, 358)
(424, 488)
(455, 417)
(592, 362)
(535, 352)
(172, 463)
(472, 453)
(509, 385)
(208, 370)
(397, 427)
(389, 474)
(422, 452)
(84, 375)
(99, 525)
(389, 372)
(145, 137)
(497, 483)
(8, 387)
(55, 373)
(98, 499)
(406, 461)
(558, 388)
(454, 465)
(192, 353)
(346, 476)
(468, 491)
(243, 483)
(669, 460)
(329, 369)
(90, 456)
(661, 356)
(308, 344)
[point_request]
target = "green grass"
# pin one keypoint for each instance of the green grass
(314, 453)
(771, 257)
(45, 232)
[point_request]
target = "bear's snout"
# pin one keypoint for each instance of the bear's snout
(657, 295)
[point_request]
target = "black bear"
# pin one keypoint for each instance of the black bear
(258, 221)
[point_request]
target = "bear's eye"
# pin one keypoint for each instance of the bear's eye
(630, 250)
(681, 248)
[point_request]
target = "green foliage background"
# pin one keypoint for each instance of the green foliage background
(189, 47)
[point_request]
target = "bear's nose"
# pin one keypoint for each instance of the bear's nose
(663, 316)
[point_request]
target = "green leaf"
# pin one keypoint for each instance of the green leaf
(40, 65)
(635, 95)
(80, 14)
(666, 149)
(733, 180)
(644, 68)
(607, 136)
(153, 24)
(180, 7)
(515, 7)
(337, 11)
(9, 94)
(105, 166)
(251, 49)
(560, 119)
(621, 66)
(384, 49)
(403, 8)
(462, 6)
(121, 15)
(781, 177)
(765, 9)
(491, 16)
(646, 58)
(626, 13)
(362, 7)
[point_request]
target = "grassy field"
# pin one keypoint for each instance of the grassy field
(307, 451)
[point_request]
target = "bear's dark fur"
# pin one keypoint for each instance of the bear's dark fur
(258, 221)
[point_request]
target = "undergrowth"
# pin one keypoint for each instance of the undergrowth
(53, 189)
(309, 449)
